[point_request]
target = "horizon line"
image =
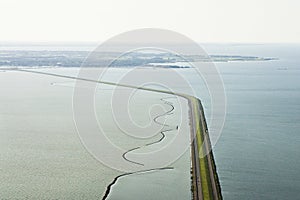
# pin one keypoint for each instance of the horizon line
(41, 43)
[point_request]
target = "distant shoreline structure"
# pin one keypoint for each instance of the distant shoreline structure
(35, 59)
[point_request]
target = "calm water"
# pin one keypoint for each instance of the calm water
(258, 153)
(42, 157)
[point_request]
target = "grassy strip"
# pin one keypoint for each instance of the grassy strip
(205, 179)
(214, 169)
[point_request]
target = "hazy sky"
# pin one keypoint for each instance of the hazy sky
(201, 20)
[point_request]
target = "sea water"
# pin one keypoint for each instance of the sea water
(258, 153)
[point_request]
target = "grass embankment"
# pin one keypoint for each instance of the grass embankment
(208, 172)
(205, 177)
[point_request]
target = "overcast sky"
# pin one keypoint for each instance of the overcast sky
(255, 21)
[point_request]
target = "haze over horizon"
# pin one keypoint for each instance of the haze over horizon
(215, 21)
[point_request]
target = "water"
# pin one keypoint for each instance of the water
(42, 156)
(258, 153)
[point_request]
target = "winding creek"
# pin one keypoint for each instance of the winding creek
(169, 112)
(165, 100)
(162, 132)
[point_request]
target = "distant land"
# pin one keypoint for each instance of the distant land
(15, 58)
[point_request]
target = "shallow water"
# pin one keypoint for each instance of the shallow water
(41, 154)
(43, 157)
